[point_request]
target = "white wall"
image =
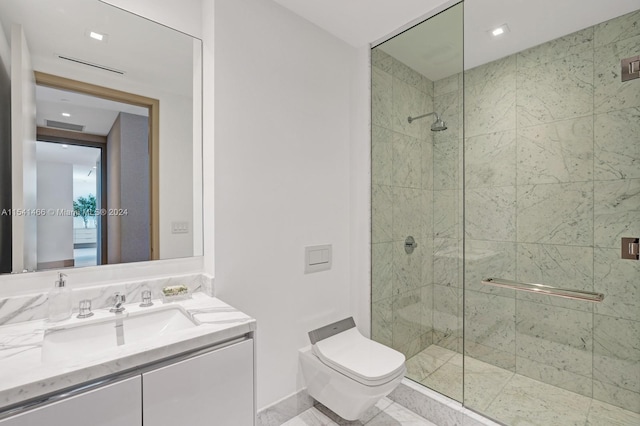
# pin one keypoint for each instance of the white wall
(55, 191)
(282, 171)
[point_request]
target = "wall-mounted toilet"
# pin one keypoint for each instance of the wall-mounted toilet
(347, 372)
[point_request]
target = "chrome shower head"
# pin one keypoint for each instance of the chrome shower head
(437, 126)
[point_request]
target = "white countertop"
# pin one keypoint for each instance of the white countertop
(24, 376)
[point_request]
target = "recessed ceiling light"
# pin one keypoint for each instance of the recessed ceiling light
(66, 114)
(498, 31)
(64, 146)
(96, 36)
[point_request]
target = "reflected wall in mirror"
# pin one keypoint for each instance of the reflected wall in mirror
(100, 137)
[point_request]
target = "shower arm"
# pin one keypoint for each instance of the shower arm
(410, 119)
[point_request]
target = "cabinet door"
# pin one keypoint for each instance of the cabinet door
(215, 388)
(117, 404)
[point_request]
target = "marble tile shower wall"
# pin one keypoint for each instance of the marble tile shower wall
(552, 183)
(402, 191)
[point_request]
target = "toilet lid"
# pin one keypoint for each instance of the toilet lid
(362, 359)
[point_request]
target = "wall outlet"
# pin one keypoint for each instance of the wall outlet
(179, 227)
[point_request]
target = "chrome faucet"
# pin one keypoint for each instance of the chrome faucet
(118, 303)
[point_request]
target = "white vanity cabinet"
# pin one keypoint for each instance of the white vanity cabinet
(215, 388)
(117, 404)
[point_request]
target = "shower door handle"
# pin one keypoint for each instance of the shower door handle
(545, 289)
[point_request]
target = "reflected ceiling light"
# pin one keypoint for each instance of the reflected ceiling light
(498, 31)
(65, 146)
(66, 114)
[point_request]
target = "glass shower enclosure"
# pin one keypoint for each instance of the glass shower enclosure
(492, 171)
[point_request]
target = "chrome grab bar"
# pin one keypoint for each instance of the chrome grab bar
(545, 289)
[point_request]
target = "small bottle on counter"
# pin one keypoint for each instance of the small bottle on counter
(60, 300)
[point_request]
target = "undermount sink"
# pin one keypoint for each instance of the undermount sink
(98, 335)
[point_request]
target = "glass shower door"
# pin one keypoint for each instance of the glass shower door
(552, 185)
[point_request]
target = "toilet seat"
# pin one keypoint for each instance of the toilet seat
(359, 358)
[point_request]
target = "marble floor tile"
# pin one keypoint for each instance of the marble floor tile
(482, 383)
(380, 406)
(525, 401)
(603, 414)
(427, 361)
(311, 417)
(447, 379)
(396, 414)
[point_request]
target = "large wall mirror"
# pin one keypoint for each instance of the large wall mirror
(100, 137)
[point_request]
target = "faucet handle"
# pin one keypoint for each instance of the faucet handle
(84, 309)
(146, 299)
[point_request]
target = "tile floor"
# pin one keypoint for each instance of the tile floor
(385, 413)
(508, 397)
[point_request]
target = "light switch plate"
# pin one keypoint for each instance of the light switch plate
(317, 258)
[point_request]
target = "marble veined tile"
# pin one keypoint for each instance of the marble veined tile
(616, 211)
(381, 271)
(490, 107)
(446, 85)
(489, 259)
(482, 383)
(492, 71)
(310, 417)
(616, 355)
(617, 29)
(382, 321)
(491, 213)
(617, 279)
(617, 156)
(381, 155)
(408, 324)
(381, 60)
(556, 90)
(396, 414)
(407, 268)
(558, 266)
(380, 406)
(490, 160)
(557, 49)
(410, 102)
(427, 162)
(602, 413)
(445, 214)
(555, 336)
(556, 152)
(610, 92)
(407, 164)
(381, 98)
(490, 320)
(445, 161)
(447, 316)
(543, 372)
(447, 255)
(614, 395)
(427, 361)
(408, 75)
(447, 105)
(525, 401)
(448, 379)
(381, 213)
(407, 213)
(559, 213)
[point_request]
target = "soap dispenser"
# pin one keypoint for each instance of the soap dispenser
(60, 300)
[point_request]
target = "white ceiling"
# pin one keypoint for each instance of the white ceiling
(96, 114)
(532, 22)
(72, 154)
